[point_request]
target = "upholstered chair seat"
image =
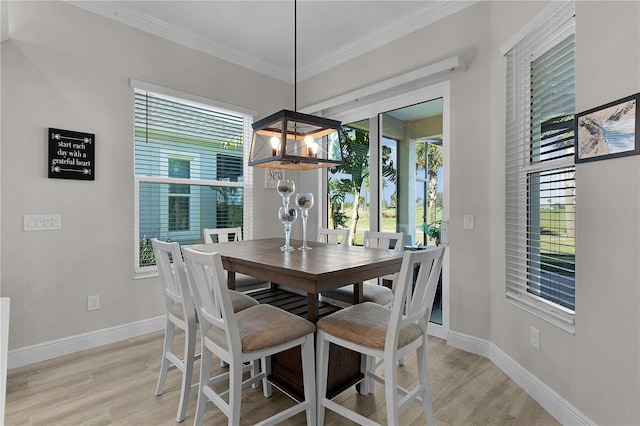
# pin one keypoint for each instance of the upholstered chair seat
(373, 290)
(241, 301)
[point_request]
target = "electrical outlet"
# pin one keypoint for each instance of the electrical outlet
(93, 303)
(535, 338)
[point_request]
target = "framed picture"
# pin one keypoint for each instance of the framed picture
(271, 177)
(71, 155)
(608, 131)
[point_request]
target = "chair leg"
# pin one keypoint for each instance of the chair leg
(308, 379)
(391, 391)
(169, 332)
(322, 362)
(235, 392)
(255, 370)
(189, 355)
(265, 364)
(423, 373)
(367, 364)
(205, 371)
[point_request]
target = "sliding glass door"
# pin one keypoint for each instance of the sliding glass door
(394, 179)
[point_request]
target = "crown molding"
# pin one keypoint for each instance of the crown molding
(395, 29)
(133, 18)
(419, 18)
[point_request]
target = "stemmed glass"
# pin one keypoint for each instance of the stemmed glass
(304, 203)
(285, 188)
(287, 217)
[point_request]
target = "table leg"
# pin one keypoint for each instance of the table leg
(231, 280)
(358, 293)
(313, 312)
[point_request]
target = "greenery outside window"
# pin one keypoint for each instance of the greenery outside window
(540, 172)
(349, 183)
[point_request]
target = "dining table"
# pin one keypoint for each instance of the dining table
(298, 277)
(323, 267)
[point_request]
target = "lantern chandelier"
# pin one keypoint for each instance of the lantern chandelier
(293, 140)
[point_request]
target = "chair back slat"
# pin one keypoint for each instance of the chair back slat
(222, 235)
(209, 289)
(334, 236)
(425, 294)
(173, 276)
(384, 240)
(388, 241)
(413, 301)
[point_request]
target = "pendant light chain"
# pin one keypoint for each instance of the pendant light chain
(295, 56)
(273, 136)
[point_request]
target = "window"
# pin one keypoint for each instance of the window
(189, 170)
(179, 199)
(540, 171)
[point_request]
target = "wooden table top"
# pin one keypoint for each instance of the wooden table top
(324, 267)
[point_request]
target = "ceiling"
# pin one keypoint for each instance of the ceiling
(259, 34)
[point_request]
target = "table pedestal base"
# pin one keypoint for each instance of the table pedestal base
(286, 367)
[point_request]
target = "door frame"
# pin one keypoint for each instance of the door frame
(372, 111)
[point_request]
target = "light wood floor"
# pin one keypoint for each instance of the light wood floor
(115, 385)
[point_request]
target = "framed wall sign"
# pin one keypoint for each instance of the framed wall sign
(272, 176)
(608, 131)
(71, 155)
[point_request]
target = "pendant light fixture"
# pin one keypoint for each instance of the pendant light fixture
(293, 140)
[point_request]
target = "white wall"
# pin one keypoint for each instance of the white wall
(464, 34)
(597, 369)
(52, 77)
(66, 68)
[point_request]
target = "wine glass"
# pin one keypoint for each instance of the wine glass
(304, 203)
(285, 188)
(287, 217)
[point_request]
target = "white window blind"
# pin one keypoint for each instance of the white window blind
(540, 173)
(189, 171)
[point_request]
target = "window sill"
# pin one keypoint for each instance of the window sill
(562, 322)
(143, 274)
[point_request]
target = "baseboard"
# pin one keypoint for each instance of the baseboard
(80, 342)
(468, 343)
(550, 400)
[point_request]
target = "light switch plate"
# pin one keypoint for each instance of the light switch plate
(468, 221)
(444, 231)
(42, 222)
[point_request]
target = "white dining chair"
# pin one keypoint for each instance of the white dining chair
(386, 334)
(180, 313)
(225, 235)
(334, 236)
(253, 334)
(372, 290)
(222, 235)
